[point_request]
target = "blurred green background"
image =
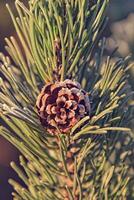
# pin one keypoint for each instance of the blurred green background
(120, 32)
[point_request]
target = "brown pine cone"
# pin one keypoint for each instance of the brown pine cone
(61, 105)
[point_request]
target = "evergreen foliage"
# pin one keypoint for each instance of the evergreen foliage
(100, 145)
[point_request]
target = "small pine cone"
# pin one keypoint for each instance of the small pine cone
(61, 105)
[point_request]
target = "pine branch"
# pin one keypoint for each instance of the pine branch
(58, 38)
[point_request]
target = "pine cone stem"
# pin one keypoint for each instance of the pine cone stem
(69, 165)
(58, 67)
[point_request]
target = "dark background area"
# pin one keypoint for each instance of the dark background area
(120, 31)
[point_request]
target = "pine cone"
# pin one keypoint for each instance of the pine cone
(61, 105)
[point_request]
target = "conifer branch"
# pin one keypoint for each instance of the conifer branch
(56, 43)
